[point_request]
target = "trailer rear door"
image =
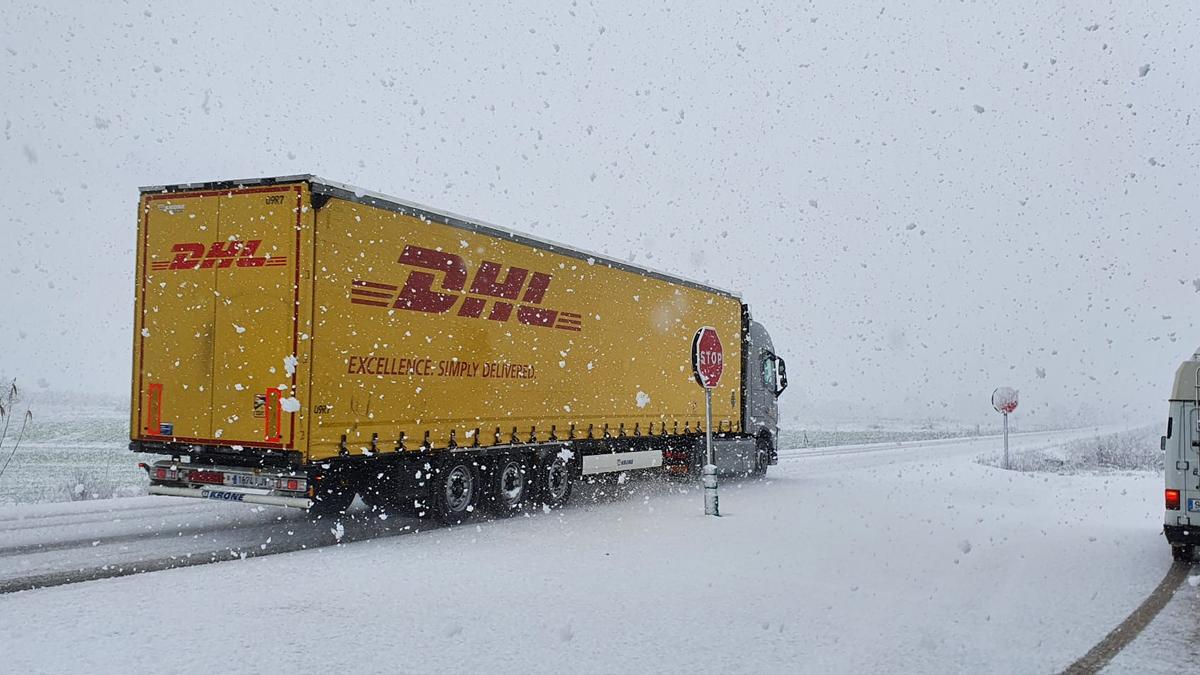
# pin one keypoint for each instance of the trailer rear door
(219, 316)
(173, 343)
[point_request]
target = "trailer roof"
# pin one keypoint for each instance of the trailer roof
(330, 188)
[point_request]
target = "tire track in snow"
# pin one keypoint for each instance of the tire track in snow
(26, 522)
(176, 532)
(1118, 638)
(313, 535)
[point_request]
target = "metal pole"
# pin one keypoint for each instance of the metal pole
(711, 507)
(1006, 464)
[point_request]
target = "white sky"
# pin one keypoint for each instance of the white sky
(907, 252)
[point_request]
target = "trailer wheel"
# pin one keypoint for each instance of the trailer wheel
(378, 501)
(509, 487)
(1183, 553)
(380, 491)
(331, 498)
(456, 492)
(554, 482)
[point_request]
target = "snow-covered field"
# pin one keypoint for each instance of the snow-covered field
(913, 558)
(892, 431)
(71, 453)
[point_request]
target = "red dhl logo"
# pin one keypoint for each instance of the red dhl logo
(418, 294)
(219, 254)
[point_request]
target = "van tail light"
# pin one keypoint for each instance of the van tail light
(1172, 498)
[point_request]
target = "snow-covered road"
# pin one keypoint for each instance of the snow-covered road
(909, 558)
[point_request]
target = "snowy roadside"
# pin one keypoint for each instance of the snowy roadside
(912, 560)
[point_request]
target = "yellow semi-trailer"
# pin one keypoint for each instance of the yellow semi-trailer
(299, 341)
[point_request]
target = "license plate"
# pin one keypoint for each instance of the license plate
(1194, 505)
(248, 480)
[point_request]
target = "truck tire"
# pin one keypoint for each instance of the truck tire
(554, 482)
(762, 456)
(331, 499)
(1183, 553)
(377, 500)
(456, 491)
(509, 486)
(762, 460)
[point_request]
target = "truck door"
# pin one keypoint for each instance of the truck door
(761, 378)
(256, 316)
(173, 339)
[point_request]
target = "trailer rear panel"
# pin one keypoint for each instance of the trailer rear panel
(222, 302)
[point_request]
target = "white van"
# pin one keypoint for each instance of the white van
(1182, 462)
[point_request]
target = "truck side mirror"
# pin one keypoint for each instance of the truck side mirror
(1162, 443)
(781, 366)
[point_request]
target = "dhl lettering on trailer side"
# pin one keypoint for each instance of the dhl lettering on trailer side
(219, 254)
(505, 294)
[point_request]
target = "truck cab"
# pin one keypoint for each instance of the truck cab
(766, 378)
(1181, 445)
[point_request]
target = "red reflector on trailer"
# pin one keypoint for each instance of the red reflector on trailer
(213, 477)
(160, 473)
(291, 484)
(1172, 500)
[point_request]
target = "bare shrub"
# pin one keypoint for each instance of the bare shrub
(1133, 450)
(84, 485)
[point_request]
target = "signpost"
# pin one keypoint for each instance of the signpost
(1004, 400)
(708, 361)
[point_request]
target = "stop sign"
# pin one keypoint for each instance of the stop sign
(1004, 399)
(708, 357)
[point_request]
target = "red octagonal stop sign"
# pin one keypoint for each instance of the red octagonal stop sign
(708, 357)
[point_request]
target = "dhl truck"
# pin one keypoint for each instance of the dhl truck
(1181, 446)
(298, 342)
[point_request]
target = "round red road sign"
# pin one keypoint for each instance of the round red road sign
(708, 357)
(1004, 399)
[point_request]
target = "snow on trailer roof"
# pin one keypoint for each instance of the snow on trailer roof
(377, 199)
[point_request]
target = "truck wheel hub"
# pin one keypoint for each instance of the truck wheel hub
(512, 482)
(460, 487)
